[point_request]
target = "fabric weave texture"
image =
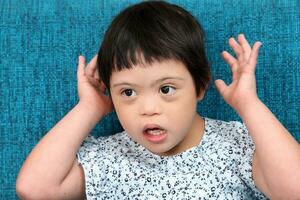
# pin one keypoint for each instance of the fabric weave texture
(40, 42)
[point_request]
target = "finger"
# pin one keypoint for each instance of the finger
(245, 46)
(99, 84)
(80, 67)
(236, 47)
(232, 62)
(96, 74)
(221, 86)
(229, 58)
(91, 67)
(254, 55)
(102, 86)
(97, 77)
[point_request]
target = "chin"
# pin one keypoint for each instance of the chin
(162, 152)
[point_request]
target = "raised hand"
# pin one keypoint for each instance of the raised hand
(242, 90)
(91, 89)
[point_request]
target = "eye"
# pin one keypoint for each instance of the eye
(168, 90)
(128, 93)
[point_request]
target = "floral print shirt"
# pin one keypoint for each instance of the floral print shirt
(219, 167)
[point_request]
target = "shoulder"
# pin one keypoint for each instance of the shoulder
(235, 145)
(223, 125)
(98, 156)
(106, 143)
(95, 149)
(231, 137)
(233, 130)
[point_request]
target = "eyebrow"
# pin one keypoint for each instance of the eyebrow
(154, 83)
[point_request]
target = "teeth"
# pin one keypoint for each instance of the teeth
(155, 132)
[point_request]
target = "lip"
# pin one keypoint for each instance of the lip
(156, 139)
(151, 126)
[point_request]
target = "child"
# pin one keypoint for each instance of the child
(153, 63)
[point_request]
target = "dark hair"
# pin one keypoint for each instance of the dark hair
(154, 31)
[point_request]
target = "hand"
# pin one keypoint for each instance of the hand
(242, 90)
(91, 89)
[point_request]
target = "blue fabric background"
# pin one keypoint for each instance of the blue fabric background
(40, 42)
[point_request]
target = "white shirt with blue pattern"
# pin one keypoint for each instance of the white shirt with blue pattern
(220, 167)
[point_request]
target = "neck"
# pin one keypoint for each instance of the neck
(192, 139)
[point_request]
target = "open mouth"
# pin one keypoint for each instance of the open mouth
(154, 131)
(155, 134)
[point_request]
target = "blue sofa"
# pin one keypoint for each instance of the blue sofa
(40, 42)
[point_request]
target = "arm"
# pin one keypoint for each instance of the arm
(277, 152)
(52, 163)
(276, 162)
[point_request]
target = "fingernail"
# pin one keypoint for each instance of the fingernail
(259, 43)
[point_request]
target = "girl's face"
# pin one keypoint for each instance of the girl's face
(156, 105)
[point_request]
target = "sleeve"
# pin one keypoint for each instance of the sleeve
(90, 157)
(243, 156)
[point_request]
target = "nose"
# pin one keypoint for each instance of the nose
(150, 106)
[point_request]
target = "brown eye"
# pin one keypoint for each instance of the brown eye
(168, 90)
(128, 93)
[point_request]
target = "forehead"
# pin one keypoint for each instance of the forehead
(153, 70)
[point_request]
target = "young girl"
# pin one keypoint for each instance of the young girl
(153, 64)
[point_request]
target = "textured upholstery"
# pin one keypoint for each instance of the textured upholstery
(40, 42)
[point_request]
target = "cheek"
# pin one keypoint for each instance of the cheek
(185, 104)
(125, 115)
(182, 113)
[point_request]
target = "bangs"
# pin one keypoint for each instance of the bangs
(153, 31)
(137, 56)
(146, 33)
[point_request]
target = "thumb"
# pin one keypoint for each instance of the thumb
(221, 86)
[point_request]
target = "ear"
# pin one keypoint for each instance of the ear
(201, 95)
